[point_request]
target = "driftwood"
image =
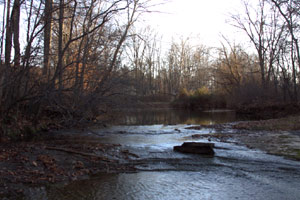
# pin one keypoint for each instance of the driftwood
(80, 153)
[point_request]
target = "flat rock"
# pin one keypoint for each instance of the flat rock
(196, 148)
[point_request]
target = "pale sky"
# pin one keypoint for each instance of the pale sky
(204, 19)
(189, 18)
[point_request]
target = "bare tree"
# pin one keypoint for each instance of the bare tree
(289, 10)
(255, 30)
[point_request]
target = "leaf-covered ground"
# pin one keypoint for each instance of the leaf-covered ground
(55, 159)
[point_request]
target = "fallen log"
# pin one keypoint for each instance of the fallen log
(80, 153)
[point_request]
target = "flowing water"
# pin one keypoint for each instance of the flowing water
(235, 172)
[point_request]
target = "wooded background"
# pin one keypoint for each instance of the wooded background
(77, 59)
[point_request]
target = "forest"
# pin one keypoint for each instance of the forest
(69, 62)
(94, 104)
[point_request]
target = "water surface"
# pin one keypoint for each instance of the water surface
(235, 172)
(171, 116)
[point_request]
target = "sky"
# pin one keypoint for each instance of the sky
(204, 19)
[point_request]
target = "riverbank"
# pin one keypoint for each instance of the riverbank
(56, 158)
(62, 157)
(274, 136)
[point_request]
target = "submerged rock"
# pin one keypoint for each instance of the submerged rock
(196, 148)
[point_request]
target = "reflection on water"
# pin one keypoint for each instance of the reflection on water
(169, 116)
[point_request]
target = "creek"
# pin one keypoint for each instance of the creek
(235, 172)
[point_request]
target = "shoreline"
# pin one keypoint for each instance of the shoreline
(56, 159)
(62, 157)
(274, 136)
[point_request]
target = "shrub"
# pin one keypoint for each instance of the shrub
(199, 99)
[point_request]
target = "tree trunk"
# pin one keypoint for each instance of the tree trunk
(8, 45)
(84, 60)
(77, 69)
(2, 34)
(8, 37)
(295, 96)
(2, 66)
(47, 34)
(16, 31)
(60, 44)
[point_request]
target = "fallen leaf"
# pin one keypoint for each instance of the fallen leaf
(34, 163)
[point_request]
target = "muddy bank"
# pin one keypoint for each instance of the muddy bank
(56, 159)
(290, 123)
(263, 111)
(274, 136)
